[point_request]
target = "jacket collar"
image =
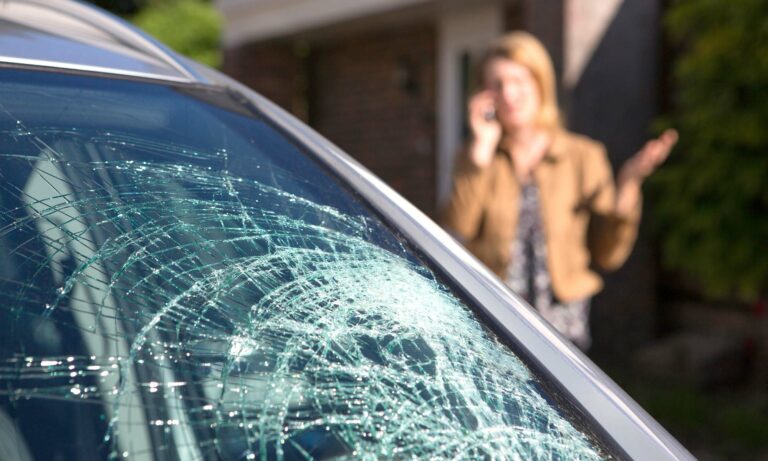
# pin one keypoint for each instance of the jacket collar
(557, 148)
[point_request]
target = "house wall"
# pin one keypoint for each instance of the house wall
(271, 68)
(374, 96)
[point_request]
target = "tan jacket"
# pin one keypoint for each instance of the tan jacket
(577, 199)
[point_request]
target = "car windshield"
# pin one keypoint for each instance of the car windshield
(181, 280)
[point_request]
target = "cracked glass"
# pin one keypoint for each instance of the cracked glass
(181, 280)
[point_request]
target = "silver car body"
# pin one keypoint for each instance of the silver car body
(66, 36)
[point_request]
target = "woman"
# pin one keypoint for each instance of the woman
(537, 203)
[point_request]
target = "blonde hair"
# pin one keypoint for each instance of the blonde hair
(525, 49)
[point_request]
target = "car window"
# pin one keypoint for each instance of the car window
(181, 280)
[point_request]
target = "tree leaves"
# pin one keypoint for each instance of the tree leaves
(189, 27)
(711, 200)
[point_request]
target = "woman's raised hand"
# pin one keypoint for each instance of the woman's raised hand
(640, 166)
(649, 157)
(486, 129)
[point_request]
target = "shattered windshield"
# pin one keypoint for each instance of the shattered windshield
(180, 280)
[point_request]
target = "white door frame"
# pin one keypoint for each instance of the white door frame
(461, 29)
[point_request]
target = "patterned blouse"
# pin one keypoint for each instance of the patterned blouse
(528, 276)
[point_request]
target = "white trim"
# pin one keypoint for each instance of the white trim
(461, 29)
(95, 69)
(250, 20)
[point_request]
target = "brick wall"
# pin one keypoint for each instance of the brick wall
(272, 69)
(514, 16)
(374, 96)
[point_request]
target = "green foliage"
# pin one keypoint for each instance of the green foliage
(190, 27)
(711, 199)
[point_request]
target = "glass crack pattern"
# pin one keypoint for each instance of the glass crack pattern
(201, 311)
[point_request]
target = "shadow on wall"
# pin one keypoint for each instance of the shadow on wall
(615, 101)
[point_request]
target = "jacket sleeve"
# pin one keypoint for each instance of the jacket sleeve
(462, 214)
(610, 237)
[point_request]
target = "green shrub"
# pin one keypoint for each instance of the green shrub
(711, 199)
(189, 27)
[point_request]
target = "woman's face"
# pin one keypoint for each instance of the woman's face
(516, 93)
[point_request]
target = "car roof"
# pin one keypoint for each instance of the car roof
(67, 34)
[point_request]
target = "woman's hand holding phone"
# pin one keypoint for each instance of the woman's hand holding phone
(486, 129)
